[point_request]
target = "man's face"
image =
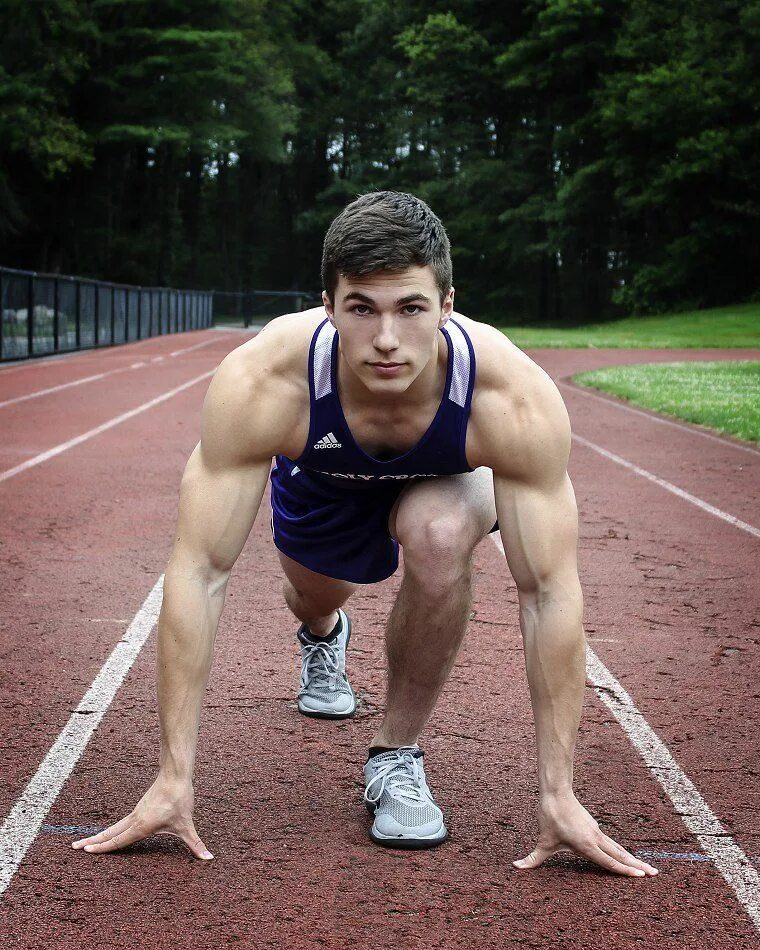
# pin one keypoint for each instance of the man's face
(388, 325)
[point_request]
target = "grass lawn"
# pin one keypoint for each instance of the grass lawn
(721, 327)
(723, 396)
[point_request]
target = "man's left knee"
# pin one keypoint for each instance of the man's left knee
(440, 540)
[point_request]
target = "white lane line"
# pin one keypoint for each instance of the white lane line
(691, 808)
(693, 429)
(75, 382)
(91, 354)
(22, 825)
(91, 433)
(197, 346)
(88, 355)
(97, 376)
(692, 499)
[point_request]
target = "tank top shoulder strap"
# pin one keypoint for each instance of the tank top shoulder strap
(320, 361)
(463, 365)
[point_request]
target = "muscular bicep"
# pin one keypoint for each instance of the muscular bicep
(227, 473)
(217, 508)
(539, 529)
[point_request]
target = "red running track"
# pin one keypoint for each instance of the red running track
(670, 609)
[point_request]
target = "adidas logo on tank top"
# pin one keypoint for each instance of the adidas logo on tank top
(328, 442)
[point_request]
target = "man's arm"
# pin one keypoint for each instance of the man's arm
(538, 521)
(221, 492)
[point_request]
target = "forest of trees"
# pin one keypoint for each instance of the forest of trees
(588, 157)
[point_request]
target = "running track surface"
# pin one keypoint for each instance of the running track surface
(670, 590)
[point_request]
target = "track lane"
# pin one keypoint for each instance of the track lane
(24, 378)
(248, 683)
(267, 777)
(43, 427)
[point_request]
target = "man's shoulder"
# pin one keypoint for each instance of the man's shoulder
(501, 367)
(518, 417)
(281, 347)
(260, 390)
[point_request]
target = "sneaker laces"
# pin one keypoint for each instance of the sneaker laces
(401, 776)
(321, 666)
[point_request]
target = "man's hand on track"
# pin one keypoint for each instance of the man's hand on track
(166, 808)
(565, 825)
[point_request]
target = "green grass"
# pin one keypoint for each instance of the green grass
(737, 326)
(722, 396)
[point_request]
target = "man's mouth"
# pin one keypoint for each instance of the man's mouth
(387, 369)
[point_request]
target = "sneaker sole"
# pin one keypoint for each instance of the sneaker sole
(408, 844)
(315, 714)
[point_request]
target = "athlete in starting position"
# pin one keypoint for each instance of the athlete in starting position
(392, 420)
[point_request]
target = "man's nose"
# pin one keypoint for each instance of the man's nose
(386, 338)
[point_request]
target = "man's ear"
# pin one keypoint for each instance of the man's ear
(329, 310)
(447, 308)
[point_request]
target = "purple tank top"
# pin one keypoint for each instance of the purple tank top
(331, 451)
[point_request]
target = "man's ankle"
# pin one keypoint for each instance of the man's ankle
(325, 627)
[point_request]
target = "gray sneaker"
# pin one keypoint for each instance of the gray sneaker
(405, 814)
(325, 691)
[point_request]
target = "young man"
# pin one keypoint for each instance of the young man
(392, 421)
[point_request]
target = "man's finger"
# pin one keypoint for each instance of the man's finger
(130, 835)
(605, 860)
(192, 840)
(625, 857)
(103, 835)
(535, 859)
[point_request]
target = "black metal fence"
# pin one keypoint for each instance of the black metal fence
(256, 307)
(50, 313)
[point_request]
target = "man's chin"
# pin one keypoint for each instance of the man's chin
(390, 384)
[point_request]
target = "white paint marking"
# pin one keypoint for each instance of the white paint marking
(692, 499)
(22, 825)
(91, 433)
(87, 355)
(196, 346)
(691, 808)
(693, 429)
(97, 376)
(55, 389)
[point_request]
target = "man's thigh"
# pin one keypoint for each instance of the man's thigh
(466, 500)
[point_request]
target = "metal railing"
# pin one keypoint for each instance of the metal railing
(51, 313)
(257, 307)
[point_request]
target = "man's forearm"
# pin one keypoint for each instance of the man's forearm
(554, 647)
(186, 631)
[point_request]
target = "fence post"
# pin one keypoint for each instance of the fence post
(113, 312)
(139, 313)
(96, 315)
(56, 327)
(30, 318)
(2, 314)
(78, 313)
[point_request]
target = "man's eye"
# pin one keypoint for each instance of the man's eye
(414, 307)
(360, 309)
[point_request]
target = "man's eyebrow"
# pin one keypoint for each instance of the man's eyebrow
(355, 295)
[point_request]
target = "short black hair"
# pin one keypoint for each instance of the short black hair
(386, 230)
